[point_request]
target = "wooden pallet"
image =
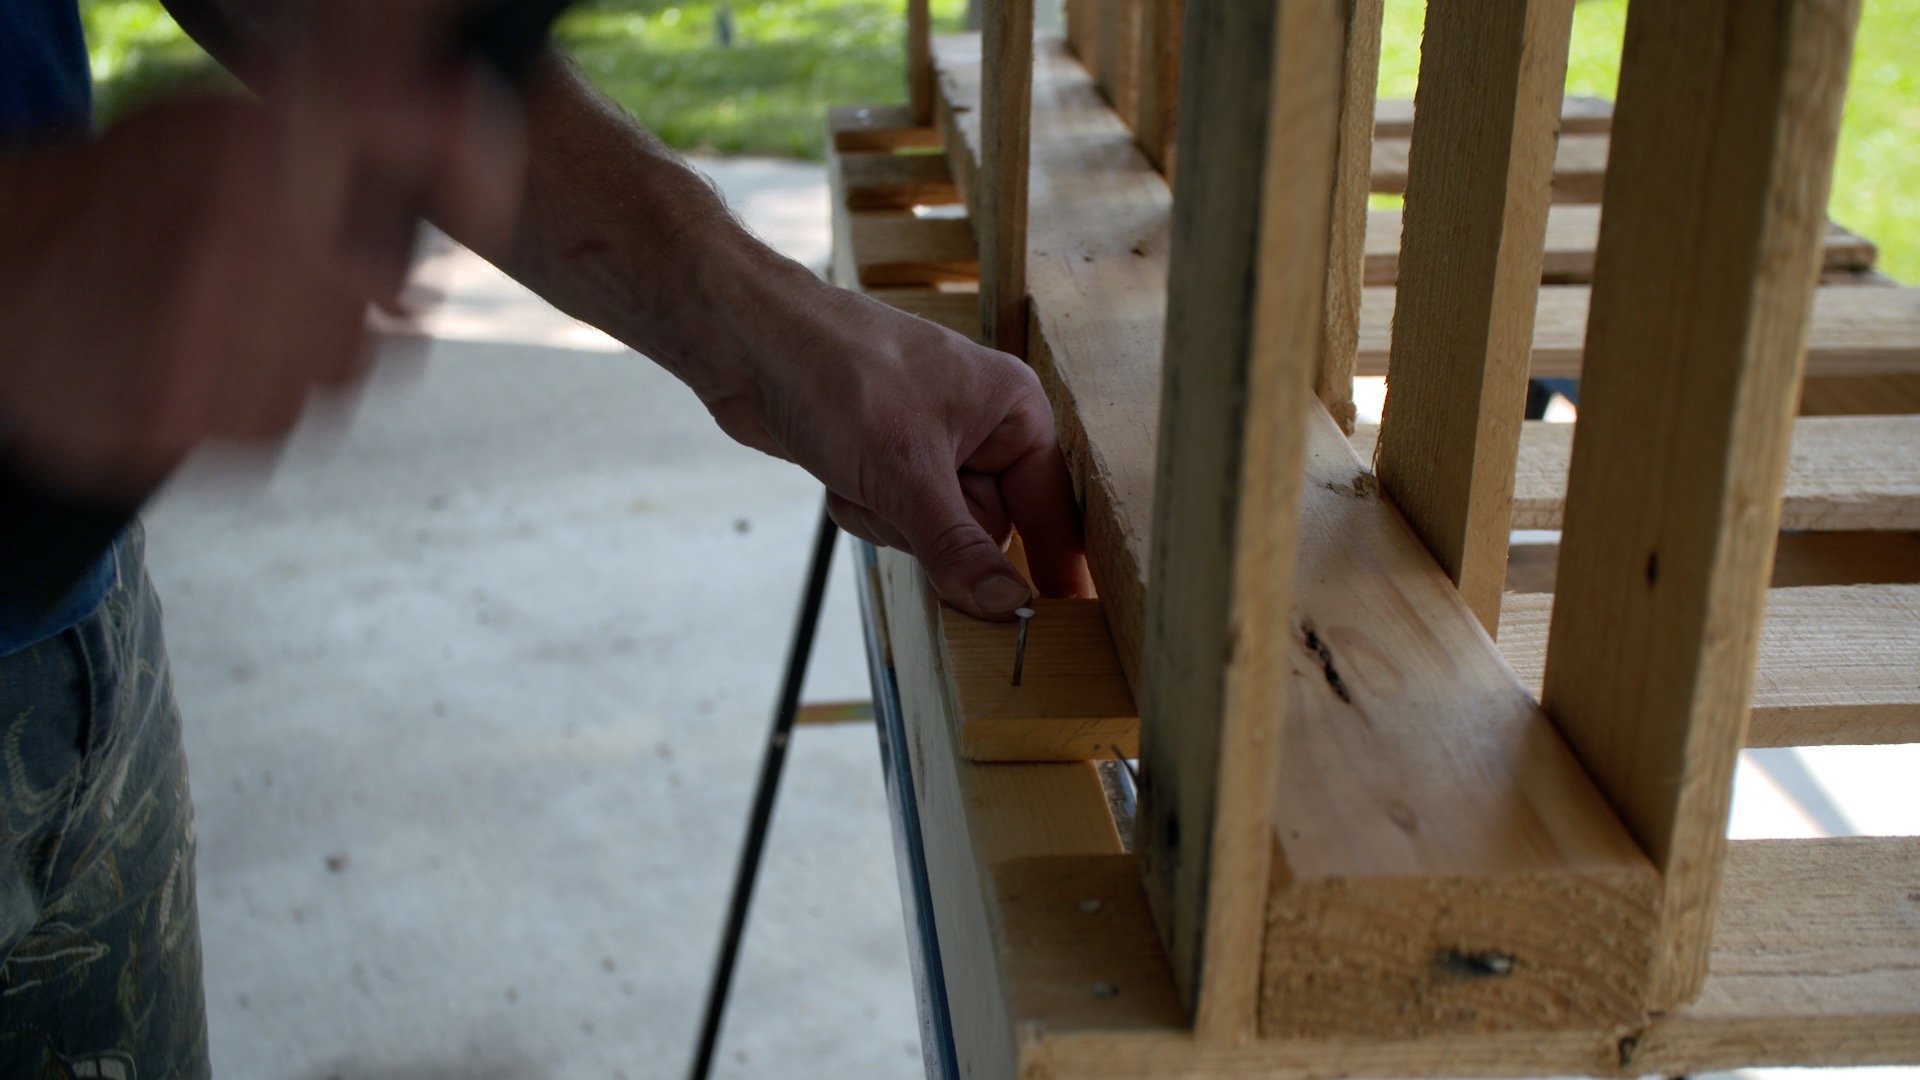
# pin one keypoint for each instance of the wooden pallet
(1364, 848)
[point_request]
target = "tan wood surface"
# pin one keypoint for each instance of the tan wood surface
(856, 128)
(1701, 302)
(1072, 703)
(1870, 395)
(893, 248)
(1844, 473)
(1856, 330)
(1838, 664)
(889, 181)
(1243, 331)
(1479, 183)
(1572, 232)
(1579, 171)
(1578, 116)
(1000, 210)
(1346, 254)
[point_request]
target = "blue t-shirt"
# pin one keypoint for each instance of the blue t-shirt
(46, 91)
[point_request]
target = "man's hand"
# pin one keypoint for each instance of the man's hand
(197, 271)
(926, 441)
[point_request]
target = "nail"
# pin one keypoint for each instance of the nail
(999, 595)
(1020, 643)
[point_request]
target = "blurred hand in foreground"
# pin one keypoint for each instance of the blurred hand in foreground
(196, 271)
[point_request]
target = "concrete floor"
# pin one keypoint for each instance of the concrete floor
(475, 689)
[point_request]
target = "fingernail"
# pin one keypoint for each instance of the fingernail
(999, 595)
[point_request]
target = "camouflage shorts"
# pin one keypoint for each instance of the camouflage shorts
(99, 934)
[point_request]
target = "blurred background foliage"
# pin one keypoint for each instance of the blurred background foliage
(737, 76)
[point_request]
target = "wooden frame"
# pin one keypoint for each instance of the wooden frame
(1362, 847)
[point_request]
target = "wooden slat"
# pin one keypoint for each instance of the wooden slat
(886, 181)
(1447, 718)
(1083, 32)
(1839, 664)
(1346, 254)
(920, 61)
(1001, 209)
(1800, 559)
(897, 249)
(1579, 170)
(1816, 961)
(1393, 119)
(1864, 395)
(1491, 77)
(1159, 80)
(1685, 421)
(974, 818)
(1243, 332)
(1844, 473)
(1572, 232)
(1855, 331)
(854, 128)
(1072, 703)
(1117, 64)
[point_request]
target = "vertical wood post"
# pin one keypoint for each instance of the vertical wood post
(1479, 180)
(920, 61)
(1353, 177)
(1083, 32)
(1248, 271)
(1118, 66)
(1000, 221)
(1716, 195)
(1159, 80)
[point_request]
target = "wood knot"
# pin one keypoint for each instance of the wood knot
(1321, 649)
(1629, 1046)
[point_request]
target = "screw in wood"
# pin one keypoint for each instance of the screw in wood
(1025, 615)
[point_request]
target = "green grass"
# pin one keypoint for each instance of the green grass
(767, 93)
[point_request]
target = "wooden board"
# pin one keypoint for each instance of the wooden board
(1481, 177)
(889, 181)
(1816, 961)
(999, 204)
(855, 128)
(1393, 118)
(1099, 228)
(1844, 473)
(1856, 331)
(1245, 312)
(1839, 664)
(1579, 170)
(1346, 252)
(1799, 560)
(1702, 300)
(1072, 703)
(1572, 232)
(895, 249)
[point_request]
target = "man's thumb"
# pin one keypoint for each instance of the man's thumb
(968, 569)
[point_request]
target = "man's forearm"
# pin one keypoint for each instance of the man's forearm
(617, 231)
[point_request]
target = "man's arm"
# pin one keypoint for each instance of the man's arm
(925, 440)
